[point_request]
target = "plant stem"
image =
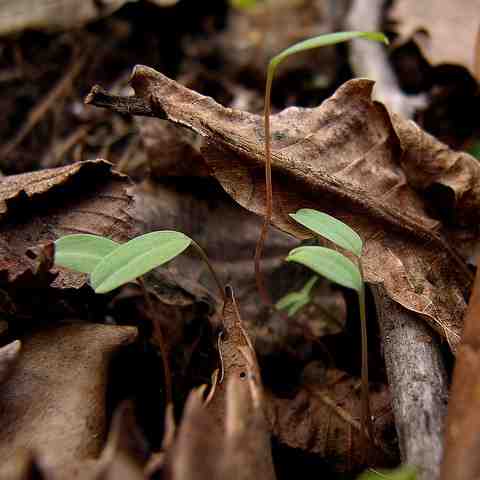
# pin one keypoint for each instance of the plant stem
(366, 420)
(268, 190)
(204, 257)
(162, 345)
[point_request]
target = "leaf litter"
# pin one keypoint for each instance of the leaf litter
(349, 157)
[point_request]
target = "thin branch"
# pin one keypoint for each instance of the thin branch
(418, 384)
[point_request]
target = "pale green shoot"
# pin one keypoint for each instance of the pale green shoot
(339, 269)
(402, 473)
(294, 301)
(315, 42)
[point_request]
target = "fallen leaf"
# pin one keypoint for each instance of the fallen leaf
(237, 444)
(323, 419)
(445, 31)
(343, 157)
(54, 402)
(41, 206)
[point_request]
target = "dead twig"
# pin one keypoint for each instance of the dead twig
(418, 384)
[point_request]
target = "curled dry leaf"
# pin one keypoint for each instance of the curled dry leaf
(54, 402)
(323, 418)
(39, 207)
(445, 31)
(228, 438)
(9, 355)
(344, 158)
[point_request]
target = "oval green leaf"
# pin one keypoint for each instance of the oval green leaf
(81, 252)
(331, 228)
(402, 473)
(329, 263)
(136, 257)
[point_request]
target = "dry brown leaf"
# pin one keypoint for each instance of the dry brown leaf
(324, 419)
(39, 207)
(230, 437)
(54, 402)
(343, 157)
(444, 30)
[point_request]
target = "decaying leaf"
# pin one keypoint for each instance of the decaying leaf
(41, 206)
(54, 401)
(228, 438)
(323, 418)
(343, 157)
(445, 31)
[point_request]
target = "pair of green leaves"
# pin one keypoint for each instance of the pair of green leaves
(110, 264)
(324, 261)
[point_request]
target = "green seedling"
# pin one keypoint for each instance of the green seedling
(311, 43)
(294, 301)
(111, 265)
(339, 269)
(402, 473)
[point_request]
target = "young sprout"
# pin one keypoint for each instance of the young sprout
(315, 42)
(294, 301)
(111, 265)
(339, 269)
(402, 473)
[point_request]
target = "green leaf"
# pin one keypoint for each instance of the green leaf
(402, 473)
(294, 301)
(81, 252)
(331, 228)
(329, 263)
(322, 41)
(243, 4)
(136, 257)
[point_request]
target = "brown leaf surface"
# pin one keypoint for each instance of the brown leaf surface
(39, 207)
(230, 437)
(444, 30)
(54, 401)
(343, 157)
(323, 418)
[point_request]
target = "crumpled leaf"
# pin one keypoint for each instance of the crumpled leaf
(41, 206)
(323, 418)
(54, 402)
(344, 158)
(444, 30)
